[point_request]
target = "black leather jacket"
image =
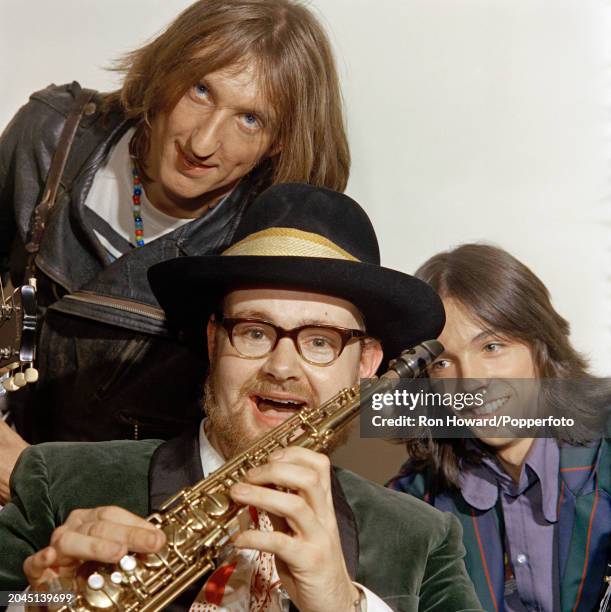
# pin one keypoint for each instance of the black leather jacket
(109, 367)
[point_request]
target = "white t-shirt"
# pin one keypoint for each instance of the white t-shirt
(110, 198)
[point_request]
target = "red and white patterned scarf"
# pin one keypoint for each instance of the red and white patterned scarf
(247, 582)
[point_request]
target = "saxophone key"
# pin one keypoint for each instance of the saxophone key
(102, 599)
(132, 572)
(96, 588)
(96, 581)
(154, 561)
(128, 563)
(195, 520)
(176, 534)
(216, 504)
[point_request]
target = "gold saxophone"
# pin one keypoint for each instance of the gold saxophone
(199, 521)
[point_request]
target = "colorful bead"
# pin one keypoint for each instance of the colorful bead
(138, 224)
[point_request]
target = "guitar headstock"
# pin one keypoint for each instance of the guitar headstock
(18, 337)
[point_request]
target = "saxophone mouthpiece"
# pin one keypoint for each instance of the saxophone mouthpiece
(412, 362)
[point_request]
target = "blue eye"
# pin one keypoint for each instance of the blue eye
(201, 91)
(250, 120)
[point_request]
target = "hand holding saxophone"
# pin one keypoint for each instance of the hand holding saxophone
(103, 534)
(201, 520)
(305, 540)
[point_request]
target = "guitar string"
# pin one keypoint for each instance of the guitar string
(3, 375)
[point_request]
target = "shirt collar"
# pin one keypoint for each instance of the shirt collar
(480, 484)
(210, 457)
(544, 460)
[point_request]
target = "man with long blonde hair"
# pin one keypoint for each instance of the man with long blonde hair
(235, 95)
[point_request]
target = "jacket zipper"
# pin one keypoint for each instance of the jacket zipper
(117, 303)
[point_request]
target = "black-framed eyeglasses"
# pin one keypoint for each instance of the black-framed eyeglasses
(317, 344)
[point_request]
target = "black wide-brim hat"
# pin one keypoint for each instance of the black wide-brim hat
(308, 238)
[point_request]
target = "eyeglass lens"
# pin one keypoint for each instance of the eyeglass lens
(315, 344)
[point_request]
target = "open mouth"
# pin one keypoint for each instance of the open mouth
(274, 409)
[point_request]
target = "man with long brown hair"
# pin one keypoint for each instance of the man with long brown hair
(536, 513)
(235, 95)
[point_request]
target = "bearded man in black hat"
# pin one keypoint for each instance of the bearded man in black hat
(300, 308)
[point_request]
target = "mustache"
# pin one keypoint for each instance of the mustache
(258, 386)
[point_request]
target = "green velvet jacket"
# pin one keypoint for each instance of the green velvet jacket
(408, 553)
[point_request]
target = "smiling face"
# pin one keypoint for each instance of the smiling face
(247, 397)
(218, 132)
(472, 351)
(477, 354)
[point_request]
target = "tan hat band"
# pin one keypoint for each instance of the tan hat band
(287, 241)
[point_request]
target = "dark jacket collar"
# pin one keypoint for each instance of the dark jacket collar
(175, 464)
(579, 464)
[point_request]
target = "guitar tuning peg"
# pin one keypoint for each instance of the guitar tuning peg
(31, 375)
(20, 380)
(9, 384)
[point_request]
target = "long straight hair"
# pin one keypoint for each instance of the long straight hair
(506, 298)
(294, 62)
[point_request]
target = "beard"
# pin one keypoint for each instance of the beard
(231, 428)
(228, 431)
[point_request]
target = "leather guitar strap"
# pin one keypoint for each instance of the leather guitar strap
(58, 163)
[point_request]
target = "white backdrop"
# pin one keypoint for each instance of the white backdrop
(468, 120)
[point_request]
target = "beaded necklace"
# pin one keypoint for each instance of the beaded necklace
(137, 192)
